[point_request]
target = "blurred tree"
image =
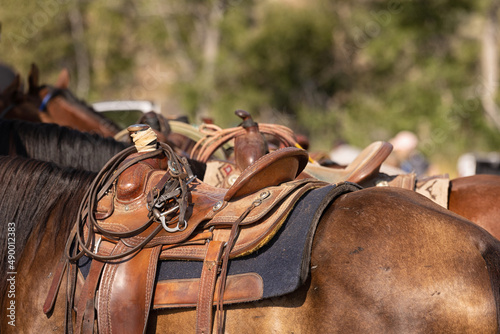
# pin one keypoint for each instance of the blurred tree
(356, 70)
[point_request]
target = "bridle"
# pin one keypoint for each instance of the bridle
(52, 93)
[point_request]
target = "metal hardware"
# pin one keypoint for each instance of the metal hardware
(265, 194)
(217, 206)
(177, 228)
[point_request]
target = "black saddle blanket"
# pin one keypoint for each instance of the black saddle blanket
(283, 263)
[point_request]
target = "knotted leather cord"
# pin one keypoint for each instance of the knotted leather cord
(215, 137)
(79, 245)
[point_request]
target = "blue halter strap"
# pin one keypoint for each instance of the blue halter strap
(46, 99)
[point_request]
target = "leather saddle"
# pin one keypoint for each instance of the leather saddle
(130, 237)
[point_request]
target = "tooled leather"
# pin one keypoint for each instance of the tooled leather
(252, 235)
(234, 209)
(129, 216)
(132, 182)
(135, 183)
(103, 308)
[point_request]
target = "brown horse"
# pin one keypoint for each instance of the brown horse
(476, 198)
(384, 260)
(63, 108)
(59, 144)
(52, 104)
(64, 146)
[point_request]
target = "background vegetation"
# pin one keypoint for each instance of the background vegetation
(357, 70)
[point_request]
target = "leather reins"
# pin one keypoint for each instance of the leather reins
(175, 188)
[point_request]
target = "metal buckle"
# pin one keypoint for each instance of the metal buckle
(177, 228)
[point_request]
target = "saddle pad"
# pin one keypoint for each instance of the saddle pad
(436, 188)
(283, 263)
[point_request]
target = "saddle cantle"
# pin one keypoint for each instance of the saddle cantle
(366, 166)
(150, 207)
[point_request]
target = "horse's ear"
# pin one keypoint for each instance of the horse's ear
(63, 79)
(33, 80)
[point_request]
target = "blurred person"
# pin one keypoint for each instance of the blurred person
(405, 154)
(343, 153)
(466, 165)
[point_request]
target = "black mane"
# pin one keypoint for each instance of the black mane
(30, 192)
(59, 144)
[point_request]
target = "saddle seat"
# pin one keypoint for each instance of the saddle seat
(366, 166)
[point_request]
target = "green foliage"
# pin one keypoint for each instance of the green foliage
(356, 70)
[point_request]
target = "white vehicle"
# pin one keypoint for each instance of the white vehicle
(479, 163)
(125, 113)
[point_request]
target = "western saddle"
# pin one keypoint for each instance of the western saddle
(145, 206)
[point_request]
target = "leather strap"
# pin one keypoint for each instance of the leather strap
(126, 290)
(70, 294)
(85, 312)
(207, 287)
(87, 297)
(54, 286)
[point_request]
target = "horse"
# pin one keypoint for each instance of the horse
(63, 108)
(383, 260)
(15, 105)
(52, 104)
(476, 197)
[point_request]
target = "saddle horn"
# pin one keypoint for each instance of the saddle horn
(249, 147)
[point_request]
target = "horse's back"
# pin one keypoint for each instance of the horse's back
(384, 260)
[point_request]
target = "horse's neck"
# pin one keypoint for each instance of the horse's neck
(79, 118)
